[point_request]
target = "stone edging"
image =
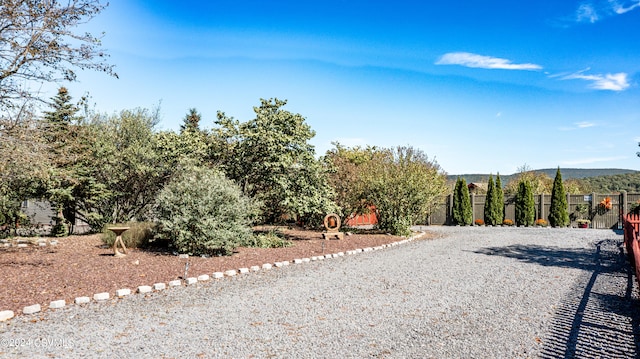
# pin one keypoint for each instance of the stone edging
(145, 289)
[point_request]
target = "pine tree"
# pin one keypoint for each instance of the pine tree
(60, 133)
(525, 205)
(558, 213)
(498, 200)
(191, 121)
(59, 120)
(462, 214)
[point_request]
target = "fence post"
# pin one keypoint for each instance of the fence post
(592, 210)
(473, 208)
(541, 207)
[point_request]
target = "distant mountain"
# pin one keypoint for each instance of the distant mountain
(567, 173)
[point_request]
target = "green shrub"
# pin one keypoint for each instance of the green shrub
(60, 228)
(139, 235)
(200, 211)
(398, 226)
(270, 239)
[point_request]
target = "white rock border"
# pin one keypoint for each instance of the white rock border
(145, 289)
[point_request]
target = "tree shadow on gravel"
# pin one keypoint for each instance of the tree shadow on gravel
(600, 317)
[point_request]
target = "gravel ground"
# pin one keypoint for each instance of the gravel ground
(474, 292)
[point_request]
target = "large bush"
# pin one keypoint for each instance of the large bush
(202, 212)
(404, 185)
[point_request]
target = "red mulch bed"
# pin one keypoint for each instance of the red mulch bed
(82, 265)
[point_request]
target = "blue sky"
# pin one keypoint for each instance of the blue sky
(481, 87)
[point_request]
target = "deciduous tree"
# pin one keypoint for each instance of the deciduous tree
(404, 185)
(126, 166)
(24, 162)
(272, 161)
(38, 43)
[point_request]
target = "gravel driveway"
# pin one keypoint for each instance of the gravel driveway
(474, 292)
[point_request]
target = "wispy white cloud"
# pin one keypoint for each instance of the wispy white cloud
(587, 12)
(595, 10)
(484, 62)
(621, 8)
(590, 160)
(577, 126)
(611, 82)
(585, 124)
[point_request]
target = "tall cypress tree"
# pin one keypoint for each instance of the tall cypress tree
(498, 200)
(462, 214)
(558, 213)
(490, 211)
(525, 205)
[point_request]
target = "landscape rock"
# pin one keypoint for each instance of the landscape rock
(6, 315)
(57, 304)
(82, 300)
(145, 289)
(32, 309)
(123, 292)
(101, 296)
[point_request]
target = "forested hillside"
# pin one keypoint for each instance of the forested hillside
(567, 173)
(629, 182)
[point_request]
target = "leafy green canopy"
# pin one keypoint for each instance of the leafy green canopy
(272, 161)
(404, 185)
(126, 169)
